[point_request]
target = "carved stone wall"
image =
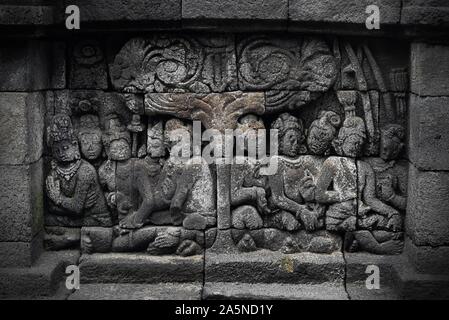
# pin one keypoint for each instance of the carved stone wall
(115, 152)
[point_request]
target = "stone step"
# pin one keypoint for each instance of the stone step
(42, 280)
(234, 290)
(264, 266)
(135, 291)
(140, 268)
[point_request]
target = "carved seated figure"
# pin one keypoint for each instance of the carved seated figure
(352, 200)
(292, 185)
(75, 196)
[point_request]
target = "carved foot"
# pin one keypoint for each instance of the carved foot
(247, 244)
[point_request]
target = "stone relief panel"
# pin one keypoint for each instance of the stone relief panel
(116, 181)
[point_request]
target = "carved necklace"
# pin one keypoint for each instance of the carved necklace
(68, 173)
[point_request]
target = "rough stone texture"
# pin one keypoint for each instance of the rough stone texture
(429, 137)
(277, 291)
(21, 202)
(139, 268)
(21, 127)
(427, 259)
(356, 264)
(125, 291)
(429, 69)
(342, 11)
(231, 10)
(20, 254)
(25, 15)
(427, 219)
(133, 10)
(28, 64)
(264, 266)
(425, 13)
(41, 280)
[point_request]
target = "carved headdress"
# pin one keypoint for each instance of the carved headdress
(60, 129)
(352, 126)
(89, 123)
(115, 130)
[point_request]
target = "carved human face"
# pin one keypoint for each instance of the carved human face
(65, 151)
(91, 145)
(352, 146)
(156, 147)
(290, 143)
(389, 147)
(119, 150)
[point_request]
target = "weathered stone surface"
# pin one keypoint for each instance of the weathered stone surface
(264, 266)
(235, 10)
(167, 63)
(433, 13)
(139, 268)
(20, 254)
(87, 66)
(26, 15)
(343, 11)
(427, 259)
(134, 10)
(39, 281)
(281, 291)
(59, 238)
(21, 201)
(21, 127)
(429, 137)
(429, 69)
(427, 219)
(30, 65)
(135, 291)
(357, 264)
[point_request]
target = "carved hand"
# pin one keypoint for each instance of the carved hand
(188, 248)
(395, 222)
(53, 189)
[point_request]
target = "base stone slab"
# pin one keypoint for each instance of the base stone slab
(139, 268)
(265, 266)
(262, 291)
(134, 291)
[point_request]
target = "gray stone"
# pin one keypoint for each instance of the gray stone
(135, 10)
(359, 291)
(26, 15)
(433, 13)
(357, 264)
(427, 222)
(427, 259)
(429, 137)
(203, 11)
(265, 266)
(20, 254)
(139, 268)
(135, 291)
(21, 202)
(21, 127)
(39, 281)
(343, 11)
(274, 291)
(429, 69)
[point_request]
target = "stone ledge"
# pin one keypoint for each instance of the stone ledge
(265, 266)
(425, 13)
(139, 268)
(134, 291)
(427, 259)
(41, 280)
(277, 291)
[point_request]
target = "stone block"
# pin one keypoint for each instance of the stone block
(21, 127)
(21, 202)
(132, 10)
(139, 268)
(27, 65)
(235, 10)
(427, 259)
(427, 219)
(26, 15)
(20, 254)
(265, 266)
(136, 291)
(429, 69)
(429, 137)
(425, 13)
(343, 11)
